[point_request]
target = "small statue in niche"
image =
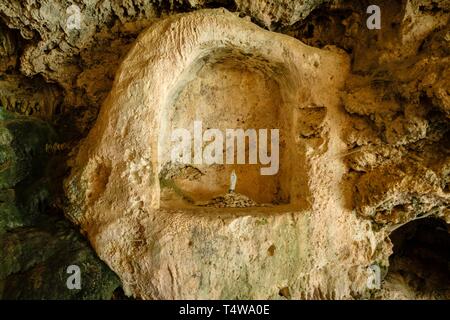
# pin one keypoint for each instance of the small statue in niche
(233, 180)
(231, 199)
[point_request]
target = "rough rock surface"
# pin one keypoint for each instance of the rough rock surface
(231, 200)
(397, 97)
(23, 184)
(278, 13)
(395, 129)
(225, 254)
(393, 125)
(34, 262)
(83, 61)
(37, 247)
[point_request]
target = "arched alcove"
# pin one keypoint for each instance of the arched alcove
(229, 90)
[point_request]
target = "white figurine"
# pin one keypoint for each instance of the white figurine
(233, 180)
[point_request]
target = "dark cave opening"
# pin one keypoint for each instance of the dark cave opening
(421, 256)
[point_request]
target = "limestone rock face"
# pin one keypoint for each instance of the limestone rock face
(29, 96)
(276, 13)
(362, 187)
(83, 60)
(162, 248)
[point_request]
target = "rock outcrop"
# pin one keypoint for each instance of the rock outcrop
(363, 180)
(38, 247)
(226, 254)
(278, 13)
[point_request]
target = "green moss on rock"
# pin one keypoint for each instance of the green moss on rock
(35, 261)
(23, 160)
(36, 247)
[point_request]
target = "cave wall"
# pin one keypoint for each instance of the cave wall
(392, 153)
